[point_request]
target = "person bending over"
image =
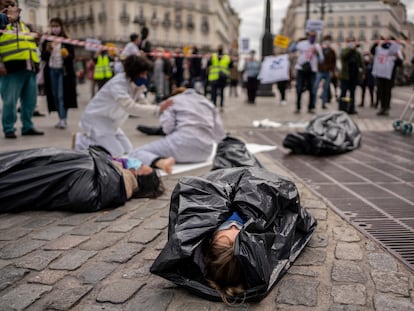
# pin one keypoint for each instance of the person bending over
(192, 126)
(108, 110)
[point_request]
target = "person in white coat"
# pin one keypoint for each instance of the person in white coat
(192, 126)
(108, 110)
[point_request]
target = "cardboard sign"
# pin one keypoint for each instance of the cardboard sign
(281, 41)
(314, 25)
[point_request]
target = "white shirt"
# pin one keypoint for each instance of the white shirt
(306, 54)
(130, 49)
(56, 59)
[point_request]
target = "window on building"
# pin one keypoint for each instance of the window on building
(330, 21)
(190, 22)
(362, 21)
(340, 36)
(375, 35)
(341, 22)
(351, 34)
(376, 21)
(361, 36)
(352, 21)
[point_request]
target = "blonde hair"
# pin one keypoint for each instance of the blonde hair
(224, 271)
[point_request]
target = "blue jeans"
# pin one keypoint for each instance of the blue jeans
(326, 76)
(21, 84)
(305, 82)
(56, 86)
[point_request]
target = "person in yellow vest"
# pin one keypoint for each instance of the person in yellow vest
(102, 71)
(219, 71)
(19, 63)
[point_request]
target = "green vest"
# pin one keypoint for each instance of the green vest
(102, 68)
(218, 66)
(18, 46)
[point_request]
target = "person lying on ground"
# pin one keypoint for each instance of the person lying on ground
(79, 181)
(233, 233)
(192, 126)
(108, 110)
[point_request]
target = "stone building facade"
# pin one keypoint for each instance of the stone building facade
(366, 20)
(34, 12)
(172, 23)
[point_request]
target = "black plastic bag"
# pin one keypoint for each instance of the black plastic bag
(59, 179)
(327, 134)
(232, 152)
(276, 231)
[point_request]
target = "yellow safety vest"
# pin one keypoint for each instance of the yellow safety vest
(102, 68)
(218, 66)
(18, 46)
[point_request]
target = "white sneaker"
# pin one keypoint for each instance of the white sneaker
(61, 124)
(283, 103)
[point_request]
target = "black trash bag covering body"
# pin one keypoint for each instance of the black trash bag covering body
(277, 228)
(326, 134)
(232, 152)
(59, 179)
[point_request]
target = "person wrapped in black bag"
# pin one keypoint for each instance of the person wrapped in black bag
(233, 232)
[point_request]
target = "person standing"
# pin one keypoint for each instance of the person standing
(368, 81)
(325, 70)
(388, 57)
(310, 54)
(196, 74)
(219, 66)
(59, 73)
(132, 47)
(352, 71)
(20, 63)
(252, 69)
(102, 70)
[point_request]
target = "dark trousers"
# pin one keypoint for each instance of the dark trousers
(345, 105)
(216, 88)
(370, 87)
(305, 82)
(281, 85)
(384, 87)
(251, 86)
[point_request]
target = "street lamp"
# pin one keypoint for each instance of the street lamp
(322, 8)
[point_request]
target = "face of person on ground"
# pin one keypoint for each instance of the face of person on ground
(142, 170)
(227, 236)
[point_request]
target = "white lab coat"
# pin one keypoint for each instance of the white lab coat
(108, 110)
(192, 126)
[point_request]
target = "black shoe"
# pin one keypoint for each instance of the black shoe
(297, 111)
(361, 105)
(10, 135)
(324, 107)
(32, 132)
(353, 112)
(38, 114)
(311, 111)
(150, 130)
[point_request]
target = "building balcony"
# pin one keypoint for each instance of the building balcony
(140, 20)
(205, 28)
(341, 24)
(362, 24)
(154, 22)
(166, 23)
(190, 26)
(376, 24)
(124, 18)
(178, 24)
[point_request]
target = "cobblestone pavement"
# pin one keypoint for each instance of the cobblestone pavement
(100, 261)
